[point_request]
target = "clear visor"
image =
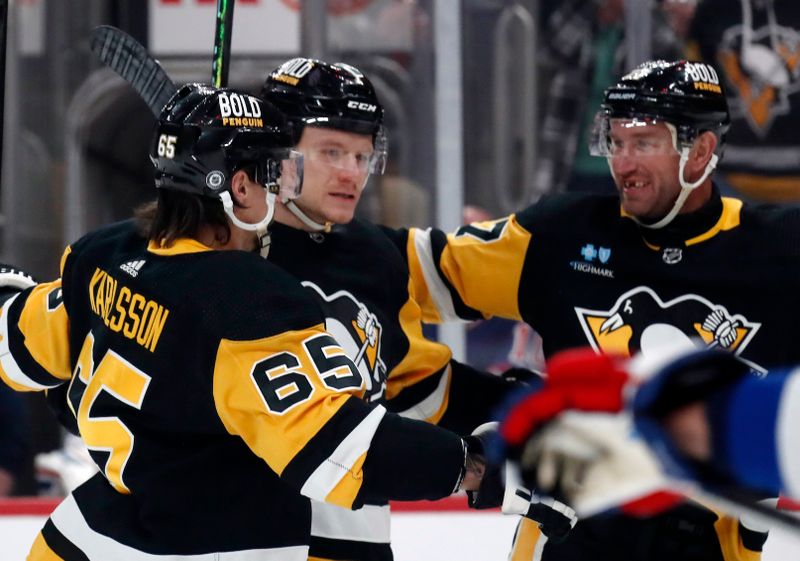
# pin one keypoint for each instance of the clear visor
(633, 137)
(283, 173)
(363, 163)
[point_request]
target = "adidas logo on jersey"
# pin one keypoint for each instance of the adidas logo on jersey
(132, 267)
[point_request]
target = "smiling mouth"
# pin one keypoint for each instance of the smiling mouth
(633, 186)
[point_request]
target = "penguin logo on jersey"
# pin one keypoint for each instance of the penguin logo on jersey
(359, 332)
(762, 65)
(640, 321)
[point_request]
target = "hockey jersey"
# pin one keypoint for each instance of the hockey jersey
(213, 401)
(579, 271)
(361, 281)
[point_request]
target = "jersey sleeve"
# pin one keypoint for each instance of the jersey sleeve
(294, 398)
(418, 386)
(473, 273)
(34, 338)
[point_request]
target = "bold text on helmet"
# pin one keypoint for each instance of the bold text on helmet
(700, 72)
(237, 105)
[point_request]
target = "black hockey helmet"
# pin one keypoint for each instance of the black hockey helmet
(313, 92)
(205, 134)
(688, 95)
(338, 96)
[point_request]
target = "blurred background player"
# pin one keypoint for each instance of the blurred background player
(755, 45)
(583, 52)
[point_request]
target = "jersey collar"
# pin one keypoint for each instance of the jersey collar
(179, 247)
(717, 215)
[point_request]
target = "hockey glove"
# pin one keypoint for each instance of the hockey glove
(577, 379)
(554, 518)
(12, 281)
(595, 463)
(590, 461)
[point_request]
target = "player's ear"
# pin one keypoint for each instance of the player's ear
(240, 188)
(704, 146)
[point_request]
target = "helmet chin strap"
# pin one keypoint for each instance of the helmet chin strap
(261, 228)
(686, 189)
(315, 226)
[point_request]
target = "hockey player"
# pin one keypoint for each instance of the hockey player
(361, 280)
(746, 431)
(704, 418)
(668, 259)
(200, 375)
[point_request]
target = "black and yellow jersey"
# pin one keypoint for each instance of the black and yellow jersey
(581, 272)
(213, 401)
(361, 281)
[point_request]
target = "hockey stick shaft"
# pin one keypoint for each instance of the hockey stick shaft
(3, 40)
(734, 501)
(223, 32)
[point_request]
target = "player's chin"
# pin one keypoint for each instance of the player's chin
(636, 206)
(341, 214)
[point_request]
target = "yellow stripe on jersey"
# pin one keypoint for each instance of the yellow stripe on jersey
(729, 218)
(178, 247)
(424, 357)
(64, 256)
(486, 274)
(418, 287)
(344, 464)
(528, 541)
(45, 326)
(40, 551)
(730, 540)
(348, 486)
(270, 393)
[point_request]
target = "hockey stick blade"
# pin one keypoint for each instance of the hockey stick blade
(128, 58)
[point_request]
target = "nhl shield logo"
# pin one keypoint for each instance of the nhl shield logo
(672, 255)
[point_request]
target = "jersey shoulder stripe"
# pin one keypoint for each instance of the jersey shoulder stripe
(425, 400)
(29, 360)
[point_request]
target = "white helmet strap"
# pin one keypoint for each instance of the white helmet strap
(303, 217)
(686, 187)
(261, 228)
